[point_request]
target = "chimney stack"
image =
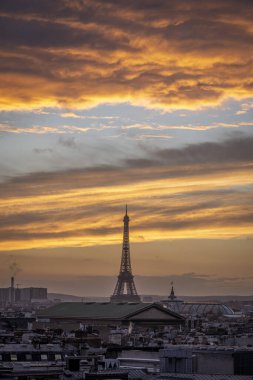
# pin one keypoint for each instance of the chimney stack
(12, 291)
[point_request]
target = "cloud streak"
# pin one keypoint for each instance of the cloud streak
(43, 129)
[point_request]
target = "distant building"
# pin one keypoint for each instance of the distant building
(172, 302)
(5, 296)
(104, 316)
(30, 294)
(206, 361)
(196, 308)
(13, 295)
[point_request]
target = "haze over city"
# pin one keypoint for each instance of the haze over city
(147, 103)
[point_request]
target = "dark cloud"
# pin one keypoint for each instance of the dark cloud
(68, 142)
(23, 218)
(239, 150)
(31, 7)
(26, 235)
(45, 34)
(42, 150)
(215, 221)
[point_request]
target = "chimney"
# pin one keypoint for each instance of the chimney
(12, 291)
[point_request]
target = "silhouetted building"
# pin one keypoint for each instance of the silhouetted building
(30, 294)
(172, 302)
(105, 316)
(196, 308)
(13, 295)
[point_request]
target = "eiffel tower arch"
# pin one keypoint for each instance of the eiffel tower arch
(125, 290)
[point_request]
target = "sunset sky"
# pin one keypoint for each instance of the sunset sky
(145, 102)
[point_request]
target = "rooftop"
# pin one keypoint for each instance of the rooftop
(101, 310)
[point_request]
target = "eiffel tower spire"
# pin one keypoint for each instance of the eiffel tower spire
(125, 290)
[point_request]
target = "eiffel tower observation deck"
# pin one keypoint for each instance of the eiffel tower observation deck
(125, 290)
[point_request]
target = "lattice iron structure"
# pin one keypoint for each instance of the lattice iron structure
(125, 290)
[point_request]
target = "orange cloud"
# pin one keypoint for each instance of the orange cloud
(43, 129)
(158, 54)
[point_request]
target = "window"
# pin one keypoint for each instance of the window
(28, 357)
(14, 357)
(43, 356)
(57, 356)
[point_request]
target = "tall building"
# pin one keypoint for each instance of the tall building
(125, 290)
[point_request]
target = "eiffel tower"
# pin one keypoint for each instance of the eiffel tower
(125, 290)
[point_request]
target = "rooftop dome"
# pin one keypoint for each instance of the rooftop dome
(204, 308)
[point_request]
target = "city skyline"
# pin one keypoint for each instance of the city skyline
(108, 103)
